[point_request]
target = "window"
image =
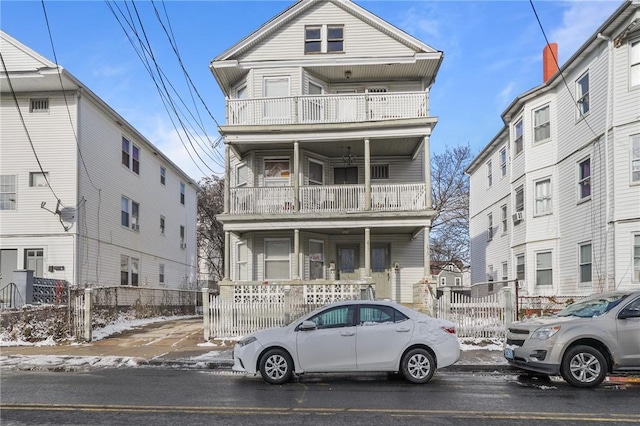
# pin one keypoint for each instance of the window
(490, 227)
(8, 192)
(312, 39)
(372, 315)
(316, 260)
(276, 109)
(582, 91)
(490, 275)
(503, 218)
(634, 62)
(335, 38)
(343, 316)
(635, 158)
(585, 263)
(182, 189)
(124, 215)
(39, 105)
(443, 281)
(242, 262)
(490, 287)
(163, 176)
(503, 162)
(242, 173)
(130, 213)
(38, 179)
(182, 235)
(543, 197)
(379, 171)
(520, 198)
(520, 267)
(489, 174)
(316, 173)
(518, 144)
(129, 271)
(276, 259)
(130, 156)
(544, 270)
(636, 258)
(541, 125)
(276, 172)
(505, 271)
(584, 179)
(458, 281)
(162, 224)
(161, 273)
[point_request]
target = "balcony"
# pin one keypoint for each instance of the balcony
(327, 199)
(342, 108)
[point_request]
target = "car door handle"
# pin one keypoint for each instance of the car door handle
(402, 330)
(347, 333)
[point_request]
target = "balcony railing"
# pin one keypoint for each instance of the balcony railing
(327, 199)
(342, 108)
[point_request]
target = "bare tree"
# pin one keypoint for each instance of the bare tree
(450, 192)
(210, 234)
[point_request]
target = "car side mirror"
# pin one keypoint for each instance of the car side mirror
(307, 325)
(629, 313)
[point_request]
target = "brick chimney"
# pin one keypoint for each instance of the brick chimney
(549, 61)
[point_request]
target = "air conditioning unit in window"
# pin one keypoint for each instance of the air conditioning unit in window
(518, 217)
(135, 227)
(183, 245)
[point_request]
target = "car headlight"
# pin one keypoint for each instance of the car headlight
(543, 333)
(246, 341)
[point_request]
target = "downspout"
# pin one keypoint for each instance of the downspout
(608, 199)
(77, 261)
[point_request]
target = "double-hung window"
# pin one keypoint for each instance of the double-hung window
(635, 158)
(242, 261)
(582, 91)
(585, 262)
(129, 271)
(520, 198)
(130, 156)
(634, 62)
(163, 176)
(182, 191)
(520, 267)
(313, 39)
(636, 258)
(541, 124)
(503, 218)
(130, 214)
(38, 179)
(584, 179)
(162, 224)
(161, 273)
(544, 268)
(277, 259)
(8, 192)
(335, 38)
(543, 197)
(489, 174)
(503, 161)
(242, 174)
(277, 172)
(277, 108)
(518, 143)
(490, 227)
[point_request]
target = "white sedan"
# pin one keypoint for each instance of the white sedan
(351, 336)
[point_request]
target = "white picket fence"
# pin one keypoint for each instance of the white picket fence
(256, 307)
(477, 316)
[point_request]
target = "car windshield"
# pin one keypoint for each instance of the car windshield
(592, 306)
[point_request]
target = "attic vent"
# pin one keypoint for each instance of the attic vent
(39, 105)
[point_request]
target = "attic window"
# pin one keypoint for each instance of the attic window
(39, 105)
(335, 38)
(323, 39)
(313, 39)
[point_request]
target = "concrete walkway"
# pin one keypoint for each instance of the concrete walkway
(177, 343)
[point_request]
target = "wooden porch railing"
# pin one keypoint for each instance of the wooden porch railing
(342, 108)
(327, 199)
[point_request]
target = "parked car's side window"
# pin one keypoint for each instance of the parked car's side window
(632, 309)
(372, 315)
(333, 318)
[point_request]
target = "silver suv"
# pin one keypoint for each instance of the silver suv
(583, 342)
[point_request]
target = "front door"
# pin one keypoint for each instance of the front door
(34, 260)
(380, 269)
(348, 262)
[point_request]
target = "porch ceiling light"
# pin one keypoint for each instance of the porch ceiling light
(349, 159)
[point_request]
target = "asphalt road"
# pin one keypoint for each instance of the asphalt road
(146, 396)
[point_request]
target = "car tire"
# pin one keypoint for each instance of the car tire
(276, 367)
(418, 366)
(583, 366)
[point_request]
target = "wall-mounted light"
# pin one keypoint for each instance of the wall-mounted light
(349, 158)
(347, 74)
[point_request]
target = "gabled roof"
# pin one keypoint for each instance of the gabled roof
(300, 7)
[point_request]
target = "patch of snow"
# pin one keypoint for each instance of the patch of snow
(481, 343)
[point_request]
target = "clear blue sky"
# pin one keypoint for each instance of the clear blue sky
(493, 52)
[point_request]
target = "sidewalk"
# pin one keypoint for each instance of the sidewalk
(176, 343)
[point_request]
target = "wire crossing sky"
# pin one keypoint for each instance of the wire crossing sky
(148, 59)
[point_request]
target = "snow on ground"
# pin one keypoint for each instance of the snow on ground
(481, 343)
(123, 323)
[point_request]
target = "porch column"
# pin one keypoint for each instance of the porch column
(367, 252)
(227, 179)
(367, 176)
(296, 176)
(427, 174)
(296, 254)
(227, 252)
(427, 254)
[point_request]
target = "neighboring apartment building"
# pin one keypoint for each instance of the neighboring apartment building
(555, 196)
(327, 151)
(84, 197)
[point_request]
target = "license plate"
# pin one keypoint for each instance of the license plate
(508, 353)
